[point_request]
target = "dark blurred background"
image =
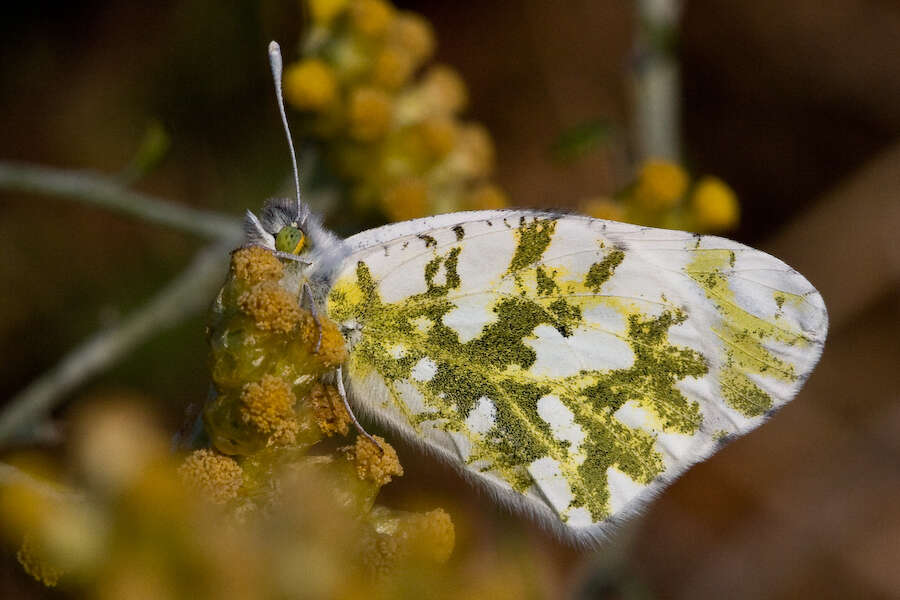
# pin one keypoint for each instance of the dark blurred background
(796, 105)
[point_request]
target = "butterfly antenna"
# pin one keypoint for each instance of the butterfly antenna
(276, 64)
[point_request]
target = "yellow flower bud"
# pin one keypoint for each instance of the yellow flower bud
(660, 185)
(392, 67)
(324, 11)
(34, 561)
(440, 93)
(440, 135)
(269, 406)
(328, 409)
(444, 90)
(332, 349)
(255, 264)
(406, 200)
(370, 114)
(114, 440)
(310, 84)
(372, 464)
(603, 208)
(371, 17)
(414, 34)
(72, 538)
(473, 156)
(486, 197)
(714, 205)
(25, 507)
(215, 476)
(438, 533)
(271, 307)
(426, 537)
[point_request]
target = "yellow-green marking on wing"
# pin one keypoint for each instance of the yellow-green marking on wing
(557, 433)
(744, 335)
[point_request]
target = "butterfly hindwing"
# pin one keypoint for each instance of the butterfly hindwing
(573, 365)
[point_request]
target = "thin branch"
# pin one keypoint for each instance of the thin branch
(657, 80)
(187, 294)
(107, 193)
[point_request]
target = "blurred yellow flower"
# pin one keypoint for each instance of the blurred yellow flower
(130, 577)
(603, 208)
(414, 34)
(295, 519)
(125, 426)
(440, 135)
(660, 185)
(393, 135)
(407, 199)
(392, 68)
(404, 536)
(473, 156)
(486, 197)
(310, 84)
(370, 113)
(655, 199)
(714, 205)
(23, 508)
(371, 17)
(67, 536)
(34, 561)
(446, 89)
(440, 93)
(324, 11)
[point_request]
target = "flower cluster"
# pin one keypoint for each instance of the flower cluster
(273, 405)
(278, 524)
(390, 123)
(663, 195)
(271, 505)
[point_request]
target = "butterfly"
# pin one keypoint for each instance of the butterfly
(572, 367)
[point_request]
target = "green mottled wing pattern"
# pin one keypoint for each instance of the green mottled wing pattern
(572, 365)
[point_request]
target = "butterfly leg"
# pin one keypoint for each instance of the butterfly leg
(359, 428)
(306, 293)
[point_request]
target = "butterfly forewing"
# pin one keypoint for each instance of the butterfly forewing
(573, 365)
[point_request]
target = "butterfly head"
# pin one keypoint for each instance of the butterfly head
(283, 226)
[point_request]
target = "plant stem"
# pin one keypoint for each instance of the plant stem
(657, 80)
(107, 193)
(187, 294)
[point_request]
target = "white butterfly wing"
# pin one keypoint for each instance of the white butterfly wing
(575, 366)
(391, 232)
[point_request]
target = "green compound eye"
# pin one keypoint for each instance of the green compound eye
(290, 239)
